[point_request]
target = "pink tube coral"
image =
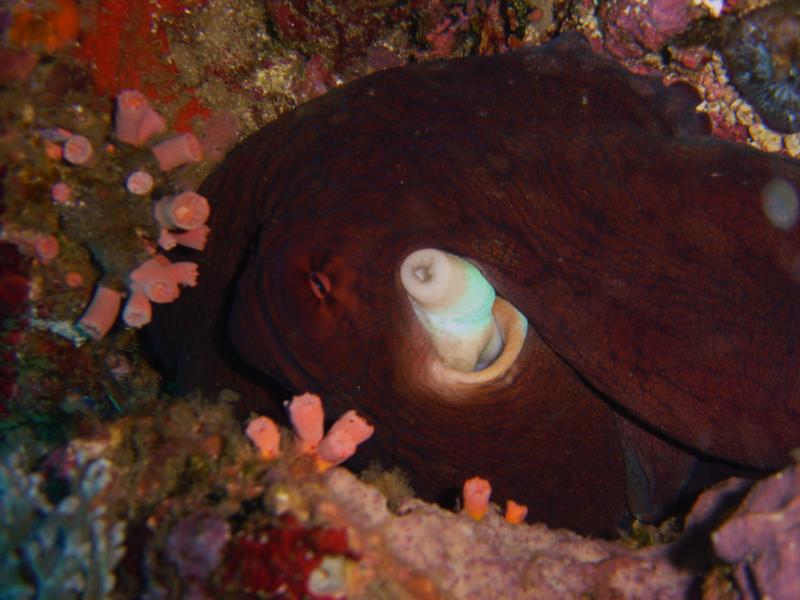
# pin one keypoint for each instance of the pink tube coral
(78, 150)
(515, 513)
(187, 210)
(130, 108)
(46, 248)
(135, 120)
(307, 417)
(61, 192)
(344, 436)
(139, 183)
(73, 279)
(176, 151)
(101, 313)
(150, 124)
(264, 434)
(159, 278)
(166, 240)
(195, 239)
(476, 495)
(138, 311)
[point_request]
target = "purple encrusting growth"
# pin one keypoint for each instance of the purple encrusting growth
(195, 545)
(762, 538)
(633, 31)
(492, 558)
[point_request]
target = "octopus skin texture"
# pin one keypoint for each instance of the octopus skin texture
(662, 302)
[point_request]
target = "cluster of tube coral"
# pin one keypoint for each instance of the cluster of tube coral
(307, 417)
(180, 218)
(475, 496)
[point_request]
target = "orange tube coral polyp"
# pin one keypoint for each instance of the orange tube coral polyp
(159, 278)
(188, 210)
(102, 312)
(78, 150)
(266, 437)
(476, 495)
(307, 417)
(177, 151)
(135, 121)
(194, 238)
(139, 183)
(515, 513)
(138, 311)
(342, 440)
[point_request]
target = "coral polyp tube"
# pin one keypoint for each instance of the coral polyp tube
(176, 151)
(307, 417)
(139, 183)
(61, 192)
(345, 435)
(78, 150)
(138, 311)
(130, 108)
(476, 495)
(265, 435)
(101, 313)
(187, 210)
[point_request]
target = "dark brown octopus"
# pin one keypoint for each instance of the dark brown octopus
(663, 305)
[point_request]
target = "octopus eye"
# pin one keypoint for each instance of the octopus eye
(320, 284)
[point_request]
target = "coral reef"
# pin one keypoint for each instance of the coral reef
(124, 491)
(58, 544)
(208, 515)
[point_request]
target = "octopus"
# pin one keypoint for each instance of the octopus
(536, 267)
